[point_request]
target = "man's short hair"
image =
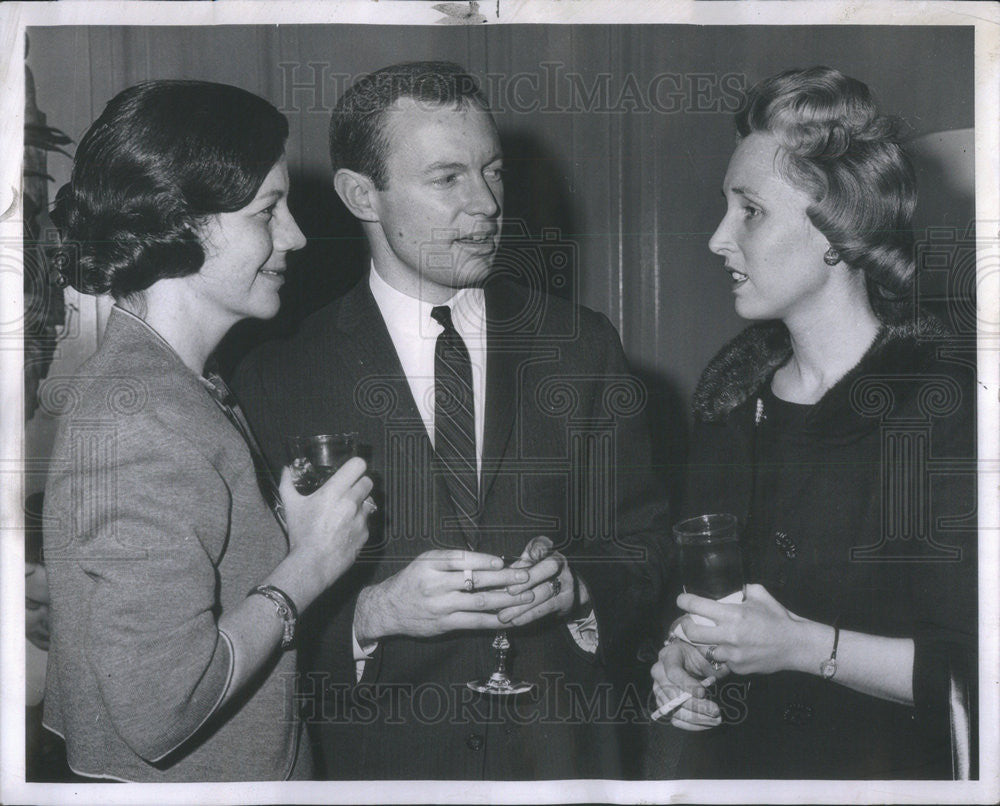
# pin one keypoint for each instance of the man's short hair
(358, 138)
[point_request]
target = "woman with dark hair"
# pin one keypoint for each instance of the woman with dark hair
(816, 426)
(176, 566)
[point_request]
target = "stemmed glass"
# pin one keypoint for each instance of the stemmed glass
(316, 457)
(499, 683)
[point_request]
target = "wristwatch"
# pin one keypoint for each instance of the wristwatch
(828, 668)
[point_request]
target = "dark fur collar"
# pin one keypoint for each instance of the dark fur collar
(742, 366)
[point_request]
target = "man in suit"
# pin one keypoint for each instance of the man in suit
(504, 424)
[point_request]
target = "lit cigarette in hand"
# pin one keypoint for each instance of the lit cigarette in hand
(679, 700)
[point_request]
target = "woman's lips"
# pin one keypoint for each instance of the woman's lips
(738, 277)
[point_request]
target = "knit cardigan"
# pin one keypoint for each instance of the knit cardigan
(154, 528)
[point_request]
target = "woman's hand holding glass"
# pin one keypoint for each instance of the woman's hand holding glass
(327, 528)
(756, 636)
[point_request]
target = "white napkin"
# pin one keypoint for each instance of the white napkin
(736, 597)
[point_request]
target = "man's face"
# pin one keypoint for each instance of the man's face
(439, 217)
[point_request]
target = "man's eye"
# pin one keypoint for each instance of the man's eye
(750, 211)
(494, 174)
(448, 179)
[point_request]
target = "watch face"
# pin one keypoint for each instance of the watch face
(828, 668)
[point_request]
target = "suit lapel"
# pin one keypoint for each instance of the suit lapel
(360, 318)
(381, 378)
(370, 350)
(507, 349)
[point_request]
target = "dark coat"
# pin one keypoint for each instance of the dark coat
(565, 454)
(864, 514)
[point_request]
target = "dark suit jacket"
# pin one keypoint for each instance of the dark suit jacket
(565, 454)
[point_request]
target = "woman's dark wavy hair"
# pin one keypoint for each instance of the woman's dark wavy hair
(161, 157)
(357, 127)
(846, 156)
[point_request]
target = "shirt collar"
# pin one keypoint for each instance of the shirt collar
(412, 316)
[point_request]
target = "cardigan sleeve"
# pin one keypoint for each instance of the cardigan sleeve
(148, 515)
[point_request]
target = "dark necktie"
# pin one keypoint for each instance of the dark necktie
(454, 419)
(265, 481)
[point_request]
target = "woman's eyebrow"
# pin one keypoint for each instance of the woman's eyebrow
(271, 195)
(745, 191)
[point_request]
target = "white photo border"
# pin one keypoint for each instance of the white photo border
(985, 17)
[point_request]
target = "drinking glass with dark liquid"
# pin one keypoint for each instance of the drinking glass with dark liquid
(317, 457)
(711, 561)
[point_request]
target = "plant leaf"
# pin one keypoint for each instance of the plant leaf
(45, 137)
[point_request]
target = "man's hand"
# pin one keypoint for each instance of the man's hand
(440, 591)
(36, 604)
(550, 580)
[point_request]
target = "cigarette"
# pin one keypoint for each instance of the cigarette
(679, 700)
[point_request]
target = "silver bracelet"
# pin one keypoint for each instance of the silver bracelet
(286, 610)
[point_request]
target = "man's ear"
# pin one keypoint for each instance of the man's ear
(357, 191)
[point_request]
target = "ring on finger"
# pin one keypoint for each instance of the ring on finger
(556, 584)
(710, 657)
(467, 581)
(370, 506)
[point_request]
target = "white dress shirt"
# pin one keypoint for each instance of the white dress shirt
(414, 334)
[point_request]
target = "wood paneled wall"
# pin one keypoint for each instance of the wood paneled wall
(616, 139)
